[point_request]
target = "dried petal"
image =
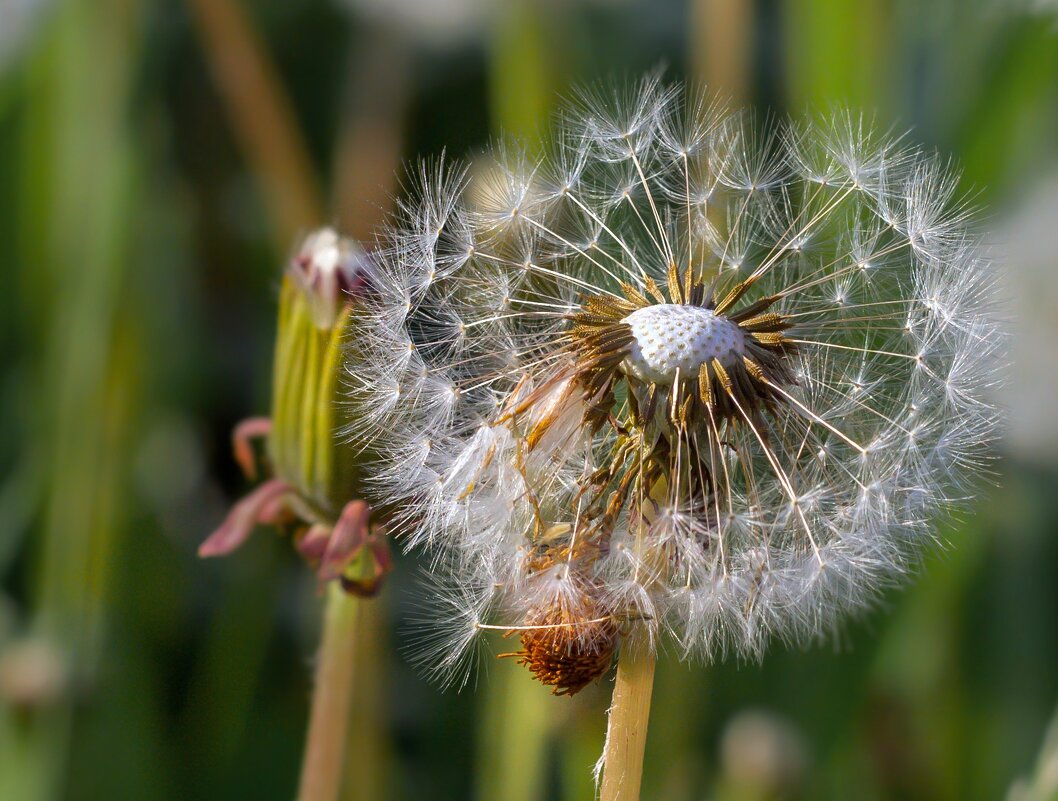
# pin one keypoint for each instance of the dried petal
(242, 518)
(348, 537)
(250, 429)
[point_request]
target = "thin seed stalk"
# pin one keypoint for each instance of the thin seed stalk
(626, 734)
(325, 744)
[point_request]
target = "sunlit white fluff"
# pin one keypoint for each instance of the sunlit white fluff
(808, 509)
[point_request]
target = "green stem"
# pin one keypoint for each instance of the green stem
(626, 736)
(369, 750)
(322, 767)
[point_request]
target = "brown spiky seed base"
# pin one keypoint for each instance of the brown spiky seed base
(566, 652)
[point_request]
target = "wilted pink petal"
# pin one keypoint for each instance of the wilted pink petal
(380, 551)
(348, 537)
(242, 518)
(313, 545)
(249, 429)
(275, 512)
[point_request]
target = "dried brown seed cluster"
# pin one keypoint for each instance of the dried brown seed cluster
(567, 651)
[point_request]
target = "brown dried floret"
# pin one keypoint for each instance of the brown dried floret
(567, 654)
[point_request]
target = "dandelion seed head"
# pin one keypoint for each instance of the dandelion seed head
(689, 372)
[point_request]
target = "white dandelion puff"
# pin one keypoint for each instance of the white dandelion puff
(688, 374)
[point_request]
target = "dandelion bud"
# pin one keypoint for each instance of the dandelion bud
(331, 271)
(315, 474)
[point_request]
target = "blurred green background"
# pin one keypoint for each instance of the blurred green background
(157, 160)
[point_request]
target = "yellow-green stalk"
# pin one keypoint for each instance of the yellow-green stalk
(260, 114)
(81, 377)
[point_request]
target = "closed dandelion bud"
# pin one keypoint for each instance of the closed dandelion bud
(686, 375)
(317, 307)
(330, 271)
(316, 476)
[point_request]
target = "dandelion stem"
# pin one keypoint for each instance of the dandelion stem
(626, 736)
(321, 769)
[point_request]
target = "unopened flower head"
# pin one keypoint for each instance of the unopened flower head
(315, 485)
(330, 270)
(686, 373)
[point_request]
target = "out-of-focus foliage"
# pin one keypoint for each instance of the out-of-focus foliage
(140, 243)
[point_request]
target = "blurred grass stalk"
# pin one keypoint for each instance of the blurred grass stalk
(515, 721)
(1010, 116)
(79, 185)
(261, 117)
(524, 65)
(1043, 786)
(722, 47)
(371, 139)
(514, 728)
(837, 53)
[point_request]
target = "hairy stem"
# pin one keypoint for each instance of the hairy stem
(626, 736)
(321, 769)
